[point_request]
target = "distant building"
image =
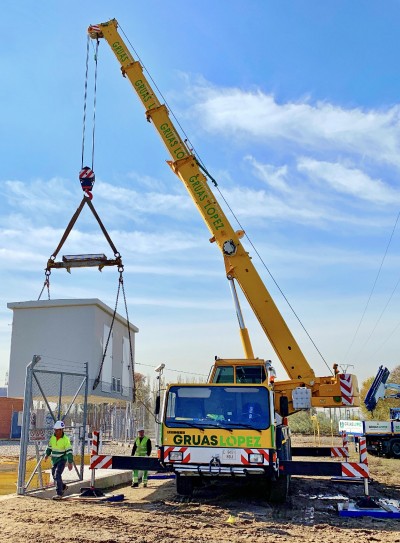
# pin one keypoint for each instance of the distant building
(69, 333)
(10, 417)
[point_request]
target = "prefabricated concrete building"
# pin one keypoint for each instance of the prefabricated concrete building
(69, 333)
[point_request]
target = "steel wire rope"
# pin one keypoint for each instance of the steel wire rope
(274, 280)
(96, 50)
(386, 340)
(129, 340)
(216, 185)
(85, 101)
(97, 380)
(94, 100)
(372, 291)
(379, 318)
(191, 148)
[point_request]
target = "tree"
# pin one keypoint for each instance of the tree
(381, 412)
(310, 422)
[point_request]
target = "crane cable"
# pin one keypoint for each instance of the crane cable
(87, 178)
(46, 284)
(202, 167)
(371, 293)
(86, 175)
(85, 102)
(264, 264)
(98, 378)
(87, 189)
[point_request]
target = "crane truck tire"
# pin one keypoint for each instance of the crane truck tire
(395, 448)
(278, 490)
(184, 485)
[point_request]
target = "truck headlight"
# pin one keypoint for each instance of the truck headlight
(176, 456)
(256, 458)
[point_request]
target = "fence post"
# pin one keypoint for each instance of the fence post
(26, 420)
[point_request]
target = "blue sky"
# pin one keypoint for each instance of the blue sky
(294, 109)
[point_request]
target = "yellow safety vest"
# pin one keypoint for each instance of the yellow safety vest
(59, 449)
(141, 446)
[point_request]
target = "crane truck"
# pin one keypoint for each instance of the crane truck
(235, 425)
(382, 437)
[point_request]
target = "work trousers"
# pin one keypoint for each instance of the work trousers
(57, 471)
(135, 478)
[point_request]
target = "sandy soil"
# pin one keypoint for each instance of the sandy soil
(215, 514)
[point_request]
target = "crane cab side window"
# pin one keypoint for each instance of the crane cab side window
(250, 374)
(224, 374)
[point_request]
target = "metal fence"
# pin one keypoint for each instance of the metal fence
(49, 396)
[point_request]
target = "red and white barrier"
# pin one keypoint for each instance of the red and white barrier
(95, 442)
(343, 451)
(95, 459)
(100, 461)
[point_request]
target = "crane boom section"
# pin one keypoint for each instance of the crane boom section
(238, 263)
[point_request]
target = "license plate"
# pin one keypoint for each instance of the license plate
(229, 455)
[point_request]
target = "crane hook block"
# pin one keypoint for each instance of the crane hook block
(87, 179)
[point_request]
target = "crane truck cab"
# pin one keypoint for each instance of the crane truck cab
(227, 427)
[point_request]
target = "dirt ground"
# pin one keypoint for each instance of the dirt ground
(216, 513)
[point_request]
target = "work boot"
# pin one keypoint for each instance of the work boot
(135, 485)
(144, 484)
(57, 497)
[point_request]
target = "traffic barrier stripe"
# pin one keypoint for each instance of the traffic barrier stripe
(355, 469)
(339, 452)
(362, 442)
(346, 388)
(100, 461)
(95, 442)
(264, 453)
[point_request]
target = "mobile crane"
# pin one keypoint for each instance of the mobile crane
(383, 437)
(235, 425)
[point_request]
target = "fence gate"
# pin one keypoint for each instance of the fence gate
(51, 395)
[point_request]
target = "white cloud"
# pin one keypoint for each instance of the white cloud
(274, 177)
(350, 181)
(320, 126)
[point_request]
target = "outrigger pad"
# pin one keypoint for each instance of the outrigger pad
(366, 502)
(91, 492)
(383, 509)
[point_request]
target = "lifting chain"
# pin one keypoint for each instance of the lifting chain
(46, 284)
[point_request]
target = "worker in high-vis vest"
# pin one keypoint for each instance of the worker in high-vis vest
(141, 447)
(60, 451)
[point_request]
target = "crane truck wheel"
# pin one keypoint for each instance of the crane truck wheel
(184, 485)
(395, 448)
(278, 490)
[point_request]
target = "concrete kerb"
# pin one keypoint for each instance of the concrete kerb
(105, 478)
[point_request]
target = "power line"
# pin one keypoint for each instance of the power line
(373, 289)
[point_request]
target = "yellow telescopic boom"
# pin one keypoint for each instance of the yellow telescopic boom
(238, 263)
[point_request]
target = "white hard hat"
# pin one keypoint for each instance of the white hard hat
(140, 429)
(59, 425)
